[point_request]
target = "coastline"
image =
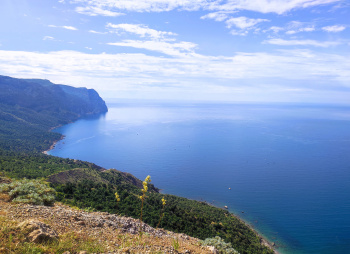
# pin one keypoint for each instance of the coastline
(55, 142)
(263, 240)
(53, 145)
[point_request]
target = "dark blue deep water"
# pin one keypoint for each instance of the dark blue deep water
(288, 166)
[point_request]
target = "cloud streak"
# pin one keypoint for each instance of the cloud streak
(334, 29)
(324, 44)
(242, 76)
(171, 49)
(103, 7)
(97, 11)
(65, 27)
(138, 29)
(285, 64)
(243, 22)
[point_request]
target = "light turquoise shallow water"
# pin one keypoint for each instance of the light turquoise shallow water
(288, 166)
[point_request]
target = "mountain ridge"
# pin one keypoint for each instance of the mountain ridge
(29, 108)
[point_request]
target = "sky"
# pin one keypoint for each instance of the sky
(197, 50)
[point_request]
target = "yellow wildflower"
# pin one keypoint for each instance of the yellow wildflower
(117, 197)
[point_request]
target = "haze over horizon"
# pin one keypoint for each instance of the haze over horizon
(220, 50)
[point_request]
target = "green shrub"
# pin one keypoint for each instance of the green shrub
(220, 245)
(34, 192)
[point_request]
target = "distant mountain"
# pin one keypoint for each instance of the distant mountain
(39, 105)
(44, 96)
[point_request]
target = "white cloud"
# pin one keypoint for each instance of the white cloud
(284, 64)
(48, 38)
(96, 11)
(239, 32)
(243, 76)
(92, 7)
(217, 16)
(294, 27)
(334, 29)
(243, 22)
(139, 29)
(158, 41)
(171, 49)
(314, 43)
(303, 29)
(96, 32)
(70, 28)
(276, 29)
(65, 27)
(268, 6)
(97, 7)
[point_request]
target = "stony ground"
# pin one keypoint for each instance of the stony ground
(118, 234)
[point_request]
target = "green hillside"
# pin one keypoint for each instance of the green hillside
(29, 108)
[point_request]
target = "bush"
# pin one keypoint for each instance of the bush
(34, 192)
(220, 245)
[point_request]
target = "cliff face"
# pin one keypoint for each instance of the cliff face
(31, 107)
(42, 96)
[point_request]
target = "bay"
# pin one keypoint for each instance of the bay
(287, 166)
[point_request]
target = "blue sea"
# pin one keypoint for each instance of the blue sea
(288, 166)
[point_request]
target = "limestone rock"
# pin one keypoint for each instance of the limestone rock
(37, 231)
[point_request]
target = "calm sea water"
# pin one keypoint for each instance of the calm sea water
(288, 166)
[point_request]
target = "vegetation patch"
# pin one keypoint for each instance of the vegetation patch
(27, 191)
(220, 245)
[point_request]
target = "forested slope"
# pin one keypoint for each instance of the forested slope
(29, 108)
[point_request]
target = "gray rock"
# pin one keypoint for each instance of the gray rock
(37, 231)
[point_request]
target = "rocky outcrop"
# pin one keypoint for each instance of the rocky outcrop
(36, 231)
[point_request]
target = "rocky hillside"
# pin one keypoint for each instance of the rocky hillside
(61, 229)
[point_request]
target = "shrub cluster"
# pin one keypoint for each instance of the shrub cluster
(35, 192)
(220, 245)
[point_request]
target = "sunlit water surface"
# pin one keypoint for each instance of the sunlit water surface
(288, 166)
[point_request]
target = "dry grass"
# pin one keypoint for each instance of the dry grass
(90, 239)
(13, 240)
(5, 197)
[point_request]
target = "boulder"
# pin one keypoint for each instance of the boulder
(37, 231)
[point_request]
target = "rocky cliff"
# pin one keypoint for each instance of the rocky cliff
(42, 96)
(31, 107)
